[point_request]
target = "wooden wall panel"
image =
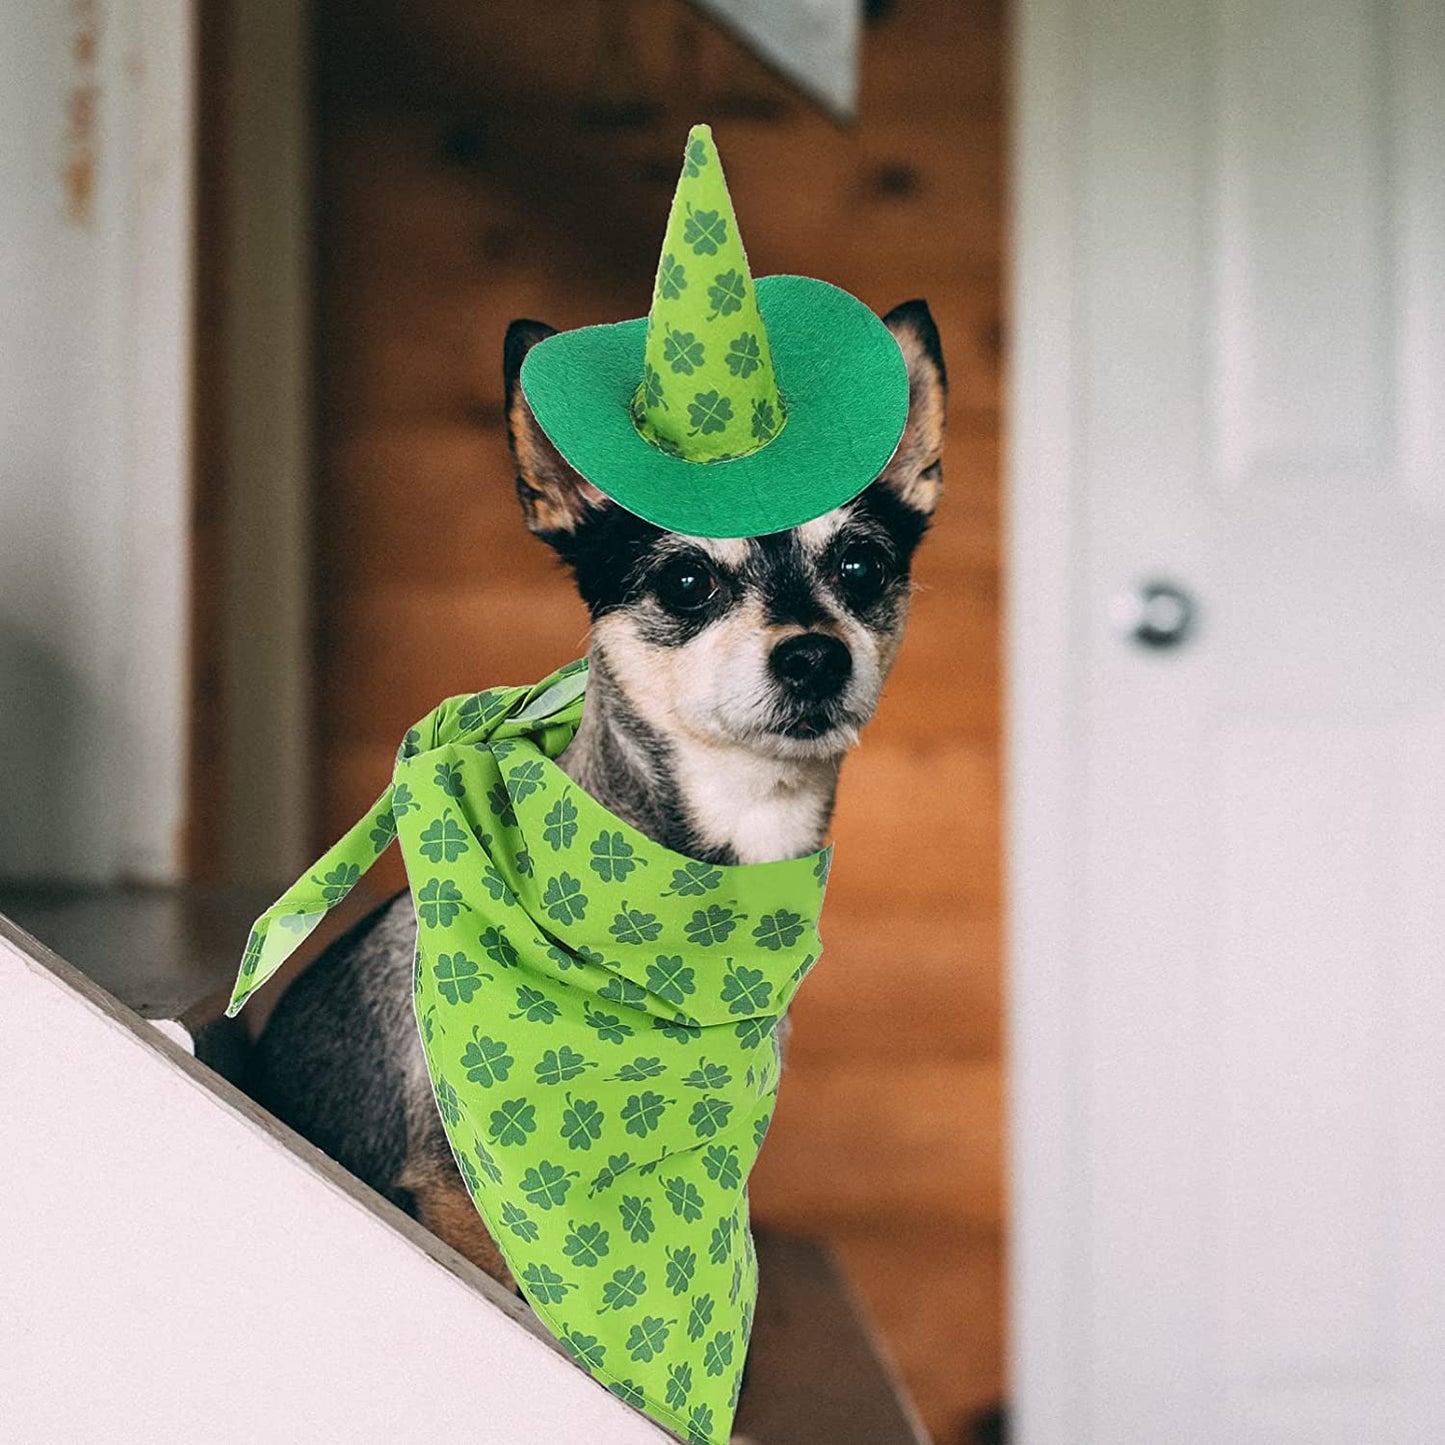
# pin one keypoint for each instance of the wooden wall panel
(482, 162)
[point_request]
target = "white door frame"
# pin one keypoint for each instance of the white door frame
(1044, 626)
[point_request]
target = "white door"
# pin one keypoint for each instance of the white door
(1228, 855)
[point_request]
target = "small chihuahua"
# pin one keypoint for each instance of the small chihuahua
(728, 679)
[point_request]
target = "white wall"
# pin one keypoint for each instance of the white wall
(95, 285)
(175, 1270)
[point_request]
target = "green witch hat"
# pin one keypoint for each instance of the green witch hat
(734, 409)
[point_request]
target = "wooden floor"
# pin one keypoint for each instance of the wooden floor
(480, 162)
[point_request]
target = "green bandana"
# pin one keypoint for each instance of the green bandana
(598, 1015)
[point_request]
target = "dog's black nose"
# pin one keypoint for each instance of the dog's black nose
(812, 665)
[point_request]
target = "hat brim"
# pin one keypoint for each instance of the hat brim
(844, 386)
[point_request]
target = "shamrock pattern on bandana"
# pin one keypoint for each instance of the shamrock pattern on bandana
(708, 391)
(599, 1020)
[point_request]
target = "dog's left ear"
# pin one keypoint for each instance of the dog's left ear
(555, 498)
(915, 474)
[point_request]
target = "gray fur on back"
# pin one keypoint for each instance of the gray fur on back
(341, 1061)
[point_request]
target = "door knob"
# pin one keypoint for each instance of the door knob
(1155, 614)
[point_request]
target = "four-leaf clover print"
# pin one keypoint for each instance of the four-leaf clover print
(607, 1175)
(625, 1288)
(744, 355)
(544, 1284)
(640, 1070)
(499, 948)
(711, 925)
(586, 1245)
(709, 411)
(475, 710)
(653, 398)
(693, 879)
(643, 1112)
(628, 1391)
(721, 1245)
(443, 839)
(669, 978)
(449, 779)
(746, 990)
(581, 1123)
(439, 902)
(686, 1202)
(338, 883)
(779, 930)
(519, 1222)
(564, 899)
(636, 1218)
(705, 231)
(634, 926)
(559, 827)
(710, 1116)
(681, 1266)
(719, 1353)
(765, 420)
(648, 1339)
(708, 1076)
(525, 780)
(558, 1066)
(486, 1060)
(727, 293)
(546, 1184)
(383, 830)
(534, 1006)
(624, 991)
(671, 278)
(613, 857)
(449, 1106)
(695, 157)
(513, 1122)
(458, 977)
(679, 1385)
(722, 1166)
(682, 351)
(585, 1349)
(700, 1316)
(610, 1028)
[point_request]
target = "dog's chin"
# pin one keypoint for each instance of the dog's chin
(810, 733)
(831, 742)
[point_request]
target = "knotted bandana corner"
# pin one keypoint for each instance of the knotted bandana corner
(598, 1015)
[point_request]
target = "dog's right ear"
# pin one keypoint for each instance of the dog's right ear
(555, 498)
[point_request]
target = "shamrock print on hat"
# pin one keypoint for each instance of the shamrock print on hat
(708, 375)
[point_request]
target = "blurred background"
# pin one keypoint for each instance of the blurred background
(256, 516)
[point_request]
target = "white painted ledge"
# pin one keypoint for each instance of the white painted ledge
(176, 1265)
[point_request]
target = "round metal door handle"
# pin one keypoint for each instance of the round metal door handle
(1157, 615)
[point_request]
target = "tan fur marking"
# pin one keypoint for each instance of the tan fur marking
(444, 1207)
(922, 444)
(557, 497)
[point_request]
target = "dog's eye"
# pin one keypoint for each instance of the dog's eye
(863, 570)
(685, 585)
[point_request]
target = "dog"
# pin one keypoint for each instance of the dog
(728, 679)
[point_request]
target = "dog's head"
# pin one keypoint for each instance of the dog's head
(779, 644)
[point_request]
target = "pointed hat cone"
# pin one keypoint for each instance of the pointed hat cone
(708, 391)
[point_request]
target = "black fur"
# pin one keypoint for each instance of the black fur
(915, 317)
(336, 1061)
